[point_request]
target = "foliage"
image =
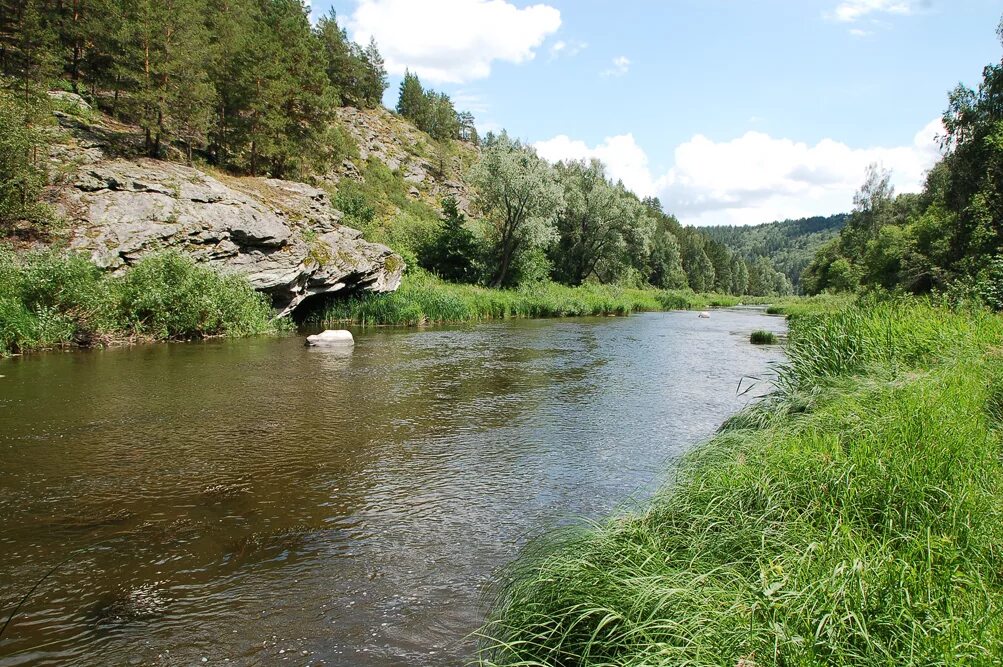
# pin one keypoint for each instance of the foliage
(357, 74)
(943, 240)
(602, 228)
(169, 296)
(23, 150)
(822, 527)
(452, 255)
(249, 83)
(789, 245)
(761, 337)
(433, 112)
(520, 196)
(381, 207)
(52, 299)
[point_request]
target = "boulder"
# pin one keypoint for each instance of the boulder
(284, 237)
(331, 337)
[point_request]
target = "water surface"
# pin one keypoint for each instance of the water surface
(257, 501)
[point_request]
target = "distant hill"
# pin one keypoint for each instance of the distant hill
(789, 244)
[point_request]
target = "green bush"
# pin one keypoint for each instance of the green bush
(51, 299)
(169, 296)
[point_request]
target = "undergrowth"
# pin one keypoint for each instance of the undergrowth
(52, 299)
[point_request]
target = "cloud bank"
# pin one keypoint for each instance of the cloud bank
(452, 41)
(753, 178)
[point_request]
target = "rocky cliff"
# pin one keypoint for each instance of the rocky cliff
(285, 237)
(432, 171)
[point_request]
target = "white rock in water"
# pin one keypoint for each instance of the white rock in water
(331, 337)
(704, 314)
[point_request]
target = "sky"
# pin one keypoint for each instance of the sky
(729, 111)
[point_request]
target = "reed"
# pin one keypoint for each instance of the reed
(425, 299)
(853, 519)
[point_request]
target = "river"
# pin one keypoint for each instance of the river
(256, 501)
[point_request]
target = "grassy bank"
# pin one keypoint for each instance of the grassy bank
(424, 299)
(50, 299)
(856, 518)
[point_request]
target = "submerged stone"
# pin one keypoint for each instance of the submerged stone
(331, 337)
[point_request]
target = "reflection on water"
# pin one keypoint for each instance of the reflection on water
(255, 500)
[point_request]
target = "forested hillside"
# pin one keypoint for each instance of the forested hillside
(252, 88)
(789, 245)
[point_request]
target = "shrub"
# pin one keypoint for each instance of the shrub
(50, 299)
(169, 296)
(763, 338)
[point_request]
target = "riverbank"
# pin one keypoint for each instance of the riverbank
(854, 518)
(424, 299)
(50, 299)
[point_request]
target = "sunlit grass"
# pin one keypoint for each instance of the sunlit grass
(855, 520)
(424, 299)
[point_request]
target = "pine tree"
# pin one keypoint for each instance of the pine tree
(174, 91)
(411, 103)
(452, 256)
(375, 80)
(35, 56)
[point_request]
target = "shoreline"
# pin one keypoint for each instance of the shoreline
(813, 504)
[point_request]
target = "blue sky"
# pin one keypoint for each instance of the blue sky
(731, 111)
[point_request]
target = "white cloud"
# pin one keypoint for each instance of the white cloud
(452, 41)
(857, 32)
(624, 159)
(470, 100)
(621, 65)
(754, 178)
(564, 49)
(849, 11)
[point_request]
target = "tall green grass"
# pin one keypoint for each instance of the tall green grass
(865, 529)
(424, 299)
(51, 299)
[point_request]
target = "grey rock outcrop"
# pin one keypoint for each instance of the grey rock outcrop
(284, 237)
(403, 148)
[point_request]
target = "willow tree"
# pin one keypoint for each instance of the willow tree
(593, 222)
(520, 197)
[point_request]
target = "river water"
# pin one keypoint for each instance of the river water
(259, 502)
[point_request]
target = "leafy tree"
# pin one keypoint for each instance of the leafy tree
(721, 259)
(666, 261)
(739, 276)
(593, 224)
(520, 198)
(441, 122)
